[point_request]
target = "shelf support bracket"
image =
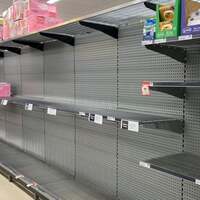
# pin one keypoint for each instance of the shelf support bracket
(108, 29)
(169, 125)
(11, 49)
(1, 54)
(177, 53)
(62, 37)
(176, 92)
(150, 5)
(35, 45)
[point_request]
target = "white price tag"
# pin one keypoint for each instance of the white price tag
(29, 185)
(110, 118)
(29, 107)
(82, 114)
(197, 181)
(51, 111)
(4, 102)
(185, 37)
(133, 126)
(160, 41)
(98, 119)
(144, 164)
(147, 42)
(19, 176)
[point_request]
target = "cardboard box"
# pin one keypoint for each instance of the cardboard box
(190, 23)
(5, 90)
(168, 14)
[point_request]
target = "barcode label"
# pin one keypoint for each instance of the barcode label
(144, 164)
(29, 107)
(98, 119)
(4, 102)
(51, 111)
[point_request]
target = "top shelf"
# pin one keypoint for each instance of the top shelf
(106, 21)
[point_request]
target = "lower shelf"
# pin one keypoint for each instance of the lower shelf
(39, 179)
(183, 165)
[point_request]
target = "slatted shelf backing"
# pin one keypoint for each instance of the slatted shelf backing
(32, 77)
(96, 160)
(60, 141)
(96, 70)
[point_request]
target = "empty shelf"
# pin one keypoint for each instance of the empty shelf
(183, 165)
(145, 120)
(173, 88)
(41, 180)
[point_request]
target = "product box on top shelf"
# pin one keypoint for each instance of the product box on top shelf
(149, 30)
(5, 90)
(168, 14)
(39, 7)
(190, 24)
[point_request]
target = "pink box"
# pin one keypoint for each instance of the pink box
(5, 90)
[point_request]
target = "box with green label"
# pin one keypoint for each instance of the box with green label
(168, 15)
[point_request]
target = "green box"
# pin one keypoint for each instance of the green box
(168, 19)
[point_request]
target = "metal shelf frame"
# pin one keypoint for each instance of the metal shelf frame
(144, 120)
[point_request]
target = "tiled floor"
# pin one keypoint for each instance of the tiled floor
(9, 191)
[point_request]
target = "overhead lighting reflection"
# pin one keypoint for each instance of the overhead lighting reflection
(52, 1)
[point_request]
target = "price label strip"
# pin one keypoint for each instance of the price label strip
(29, 107)
(98, 119)
(185, 37)
(130, 125)
(52, 111)
(4, 102)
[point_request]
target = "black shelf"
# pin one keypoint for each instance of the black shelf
(182, 165)
(174, 88)
(175, 47)
(144, 120)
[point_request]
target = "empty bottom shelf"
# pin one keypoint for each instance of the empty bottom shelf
(57, 184)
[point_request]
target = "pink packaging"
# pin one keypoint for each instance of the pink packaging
(18, 10)
(5, 90)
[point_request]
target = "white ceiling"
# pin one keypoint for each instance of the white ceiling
(74, 8)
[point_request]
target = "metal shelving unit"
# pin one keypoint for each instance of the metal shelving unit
(174, 88)
(144, 120)
(183, 165)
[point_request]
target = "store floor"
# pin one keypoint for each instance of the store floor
(9, 191)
